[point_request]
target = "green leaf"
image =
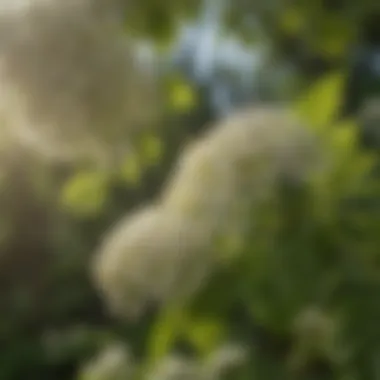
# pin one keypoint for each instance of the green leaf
(292, 21)
(85, 193)
(151, 149)
(320, 105)
(205, 334)
(166, 331)
(182, 97)
(130, 171)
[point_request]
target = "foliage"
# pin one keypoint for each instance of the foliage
(248, 250)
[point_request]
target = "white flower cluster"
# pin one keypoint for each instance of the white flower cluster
(175, 367)
(116, 363)
(152, 256)
(216, 366)
(70, 84)
(240, 159)
(165, 251)
(316, 335)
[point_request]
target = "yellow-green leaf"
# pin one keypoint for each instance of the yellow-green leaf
(131, 170)
(151, 149)
(85, 193)
(168, 328)
(320, 105)
(345, 137)
(292, 21)
(205, 334)
(182, 96)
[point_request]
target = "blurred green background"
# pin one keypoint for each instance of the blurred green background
(305, 306)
